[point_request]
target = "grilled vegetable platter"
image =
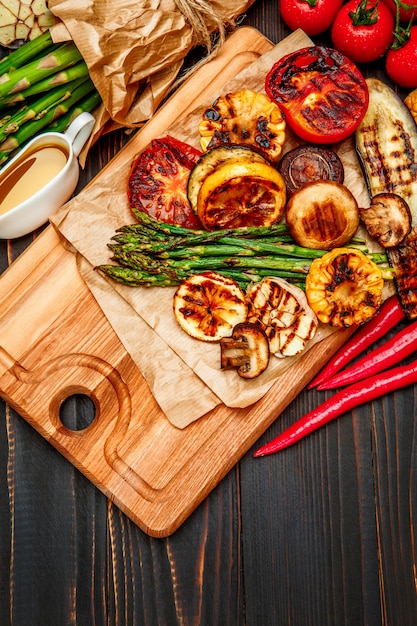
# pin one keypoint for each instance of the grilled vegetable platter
(156, 469)
(252, 222)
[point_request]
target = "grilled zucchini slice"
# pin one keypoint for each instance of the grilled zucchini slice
(386, 142)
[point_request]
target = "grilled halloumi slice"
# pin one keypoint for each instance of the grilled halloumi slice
(283, 313)
(208, 306)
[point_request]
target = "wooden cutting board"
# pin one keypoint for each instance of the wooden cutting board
(56, 342)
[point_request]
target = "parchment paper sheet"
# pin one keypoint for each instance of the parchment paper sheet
(90, 219)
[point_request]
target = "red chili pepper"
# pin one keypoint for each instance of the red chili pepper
(343, 401)
(391, 352)
(387, 317)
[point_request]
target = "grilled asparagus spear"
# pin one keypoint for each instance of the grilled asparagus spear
(386, 142)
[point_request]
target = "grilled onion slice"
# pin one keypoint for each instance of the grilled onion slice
(308, 163)
(282, 311)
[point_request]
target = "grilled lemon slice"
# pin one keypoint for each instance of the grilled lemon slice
(282, 311)
(244, 117)
(208, 306)
(212, 159)
(241, 193)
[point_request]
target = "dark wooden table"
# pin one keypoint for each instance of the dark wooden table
(323, 534)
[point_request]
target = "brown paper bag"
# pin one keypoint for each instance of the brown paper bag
(135, 49)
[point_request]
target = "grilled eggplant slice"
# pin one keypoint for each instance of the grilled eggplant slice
(386, 142)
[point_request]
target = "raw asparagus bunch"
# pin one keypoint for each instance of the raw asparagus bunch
(43, 86)
(153, 253)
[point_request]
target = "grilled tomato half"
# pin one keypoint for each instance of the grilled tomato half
(321, 92)
(158, 181)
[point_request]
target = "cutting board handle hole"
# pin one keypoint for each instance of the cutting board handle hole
(77, 412)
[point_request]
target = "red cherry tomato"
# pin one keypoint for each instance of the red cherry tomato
(313, 16)
(321, 92)
(158, 181)
(363, 30)
(401, 64)
(405, 14)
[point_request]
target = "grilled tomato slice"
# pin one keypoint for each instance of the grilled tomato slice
(241, 193)
(158, 180)
(344, 287)
(244, 117)
(321, 92)
(208, 306)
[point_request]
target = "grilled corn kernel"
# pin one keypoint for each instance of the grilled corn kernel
(244, 117)
(344, 287)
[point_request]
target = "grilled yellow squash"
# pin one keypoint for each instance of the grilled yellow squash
(208, 306)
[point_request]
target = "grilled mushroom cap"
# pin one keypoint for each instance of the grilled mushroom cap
(388, 219)
(322, 215)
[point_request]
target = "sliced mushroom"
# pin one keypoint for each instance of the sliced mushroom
(247, 350)
(388, 219)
